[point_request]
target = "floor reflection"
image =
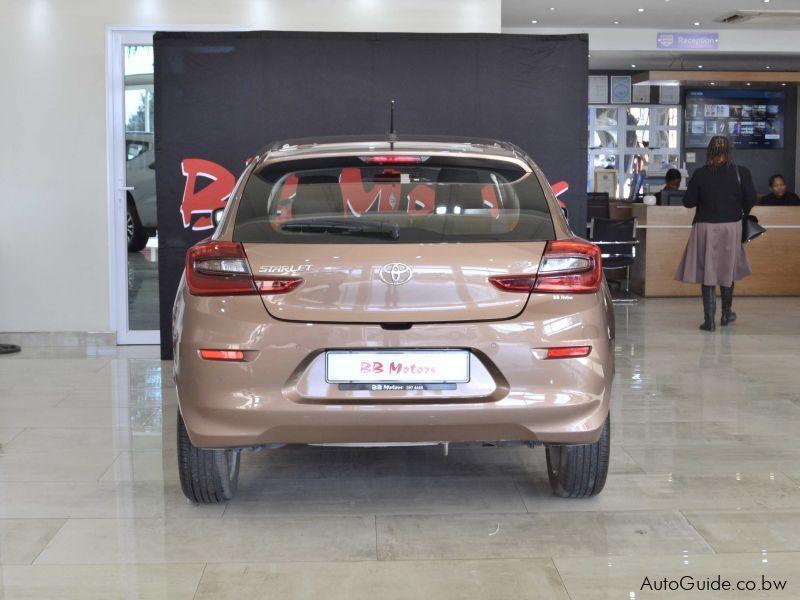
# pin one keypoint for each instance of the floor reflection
(705, 480)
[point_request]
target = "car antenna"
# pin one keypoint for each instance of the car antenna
(391, 135)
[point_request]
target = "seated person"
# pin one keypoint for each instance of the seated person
(673, 179)
(778, 194)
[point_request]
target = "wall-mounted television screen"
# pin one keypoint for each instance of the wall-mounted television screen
(752, 119)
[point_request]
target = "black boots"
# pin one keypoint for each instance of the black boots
(709, 307)
(728, 316)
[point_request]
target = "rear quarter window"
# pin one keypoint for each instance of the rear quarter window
(364, 200)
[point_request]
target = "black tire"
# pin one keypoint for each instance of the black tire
(137, 235)
(207, 476)
(580, 471)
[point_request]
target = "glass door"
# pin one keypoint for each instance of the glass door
(134, 229)
(140, 182)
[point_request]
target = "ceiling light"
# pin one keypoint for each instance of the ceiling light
(783, 84)
(634, 66)
(640, 9)
(616, 22)
(766, 1)
(552, 8)
(534, 21)
(697, 23)
(713, 83)
(769, 67)
(748, 83)
(590, 56)
(699, 66)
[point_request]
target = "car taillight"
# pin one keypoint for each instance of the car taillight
(218, 269)
(221, 269)
(566, 266)
(514, 283)
(569, 266)
(569, 352)
(277, 285)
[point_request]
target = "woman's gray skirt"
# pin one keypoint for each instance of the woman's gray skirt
(714, 255)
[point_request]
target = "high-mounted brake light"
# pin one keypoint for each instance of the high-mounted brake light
(566, 266)
(221, 269)
(394, 159)
(569, 352)
(227, 355)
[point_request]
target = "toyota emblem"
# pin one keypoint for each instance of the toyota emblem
(395, 273)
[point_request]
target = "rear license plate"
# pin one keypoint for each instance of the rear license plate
(395, 366)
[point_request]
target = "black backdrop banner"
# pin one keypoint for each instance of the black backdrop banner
(220, 97)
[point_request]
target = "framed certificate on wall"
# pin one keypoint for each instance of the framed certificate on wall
(620, 89)
(605, 180)
(598, 89)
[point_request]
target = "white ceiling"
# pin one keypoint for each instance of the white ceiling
(658, 14)
(672, 61)
(772, 39)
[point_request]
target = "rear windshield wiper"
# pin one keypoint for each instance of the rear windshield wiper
(344, 227)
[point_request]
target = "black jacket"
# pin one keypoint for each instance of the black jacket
(718, 194)
(788, 199)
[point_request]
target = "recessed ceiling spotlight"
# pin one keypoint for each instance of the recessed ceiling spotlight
(534, 21)
(783, 84)
(616, 22)
(699, 66)
(748, 83)
(697, 23)
(769, 67)
(766, 1)
(552, 8)
(640, 9)
(634, 66)
(590, 56)
(713, 83)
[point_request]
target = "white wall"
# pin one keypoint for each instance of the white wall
(53, 204)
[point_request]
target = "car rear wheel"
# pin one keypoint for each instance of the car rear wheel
(207, 475)
(580, 471)
(137, 234)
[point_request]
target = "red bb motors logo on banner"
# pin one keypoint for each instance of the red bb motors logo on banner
(208, 187)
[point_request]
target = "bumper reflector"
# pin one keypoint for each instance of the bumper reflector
(229, 355)
(569, 352)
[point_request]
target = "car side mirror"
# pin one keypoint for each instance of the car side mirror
(216, 216)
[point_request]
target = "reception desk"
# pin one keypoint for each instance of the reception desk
(664, 230)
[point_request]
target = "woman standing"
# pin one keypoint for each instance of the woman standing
(723, 193)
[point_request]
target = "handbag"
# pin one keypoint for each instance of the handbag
(750, 227)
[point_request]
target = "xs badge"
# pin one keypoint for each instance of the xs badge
(395, 273)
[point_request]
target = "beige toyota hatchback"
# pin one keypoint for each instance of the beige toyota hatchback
(375, 292)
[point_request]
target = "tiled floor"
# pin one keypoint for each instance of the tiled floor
(705, 482)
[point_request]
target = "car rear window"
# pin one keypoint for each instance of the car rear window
(392, 199)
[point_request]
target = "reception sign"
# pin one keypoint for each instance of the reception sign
(687, 40)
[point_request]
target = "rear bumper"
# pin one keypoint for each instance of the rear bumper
(275, 397)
